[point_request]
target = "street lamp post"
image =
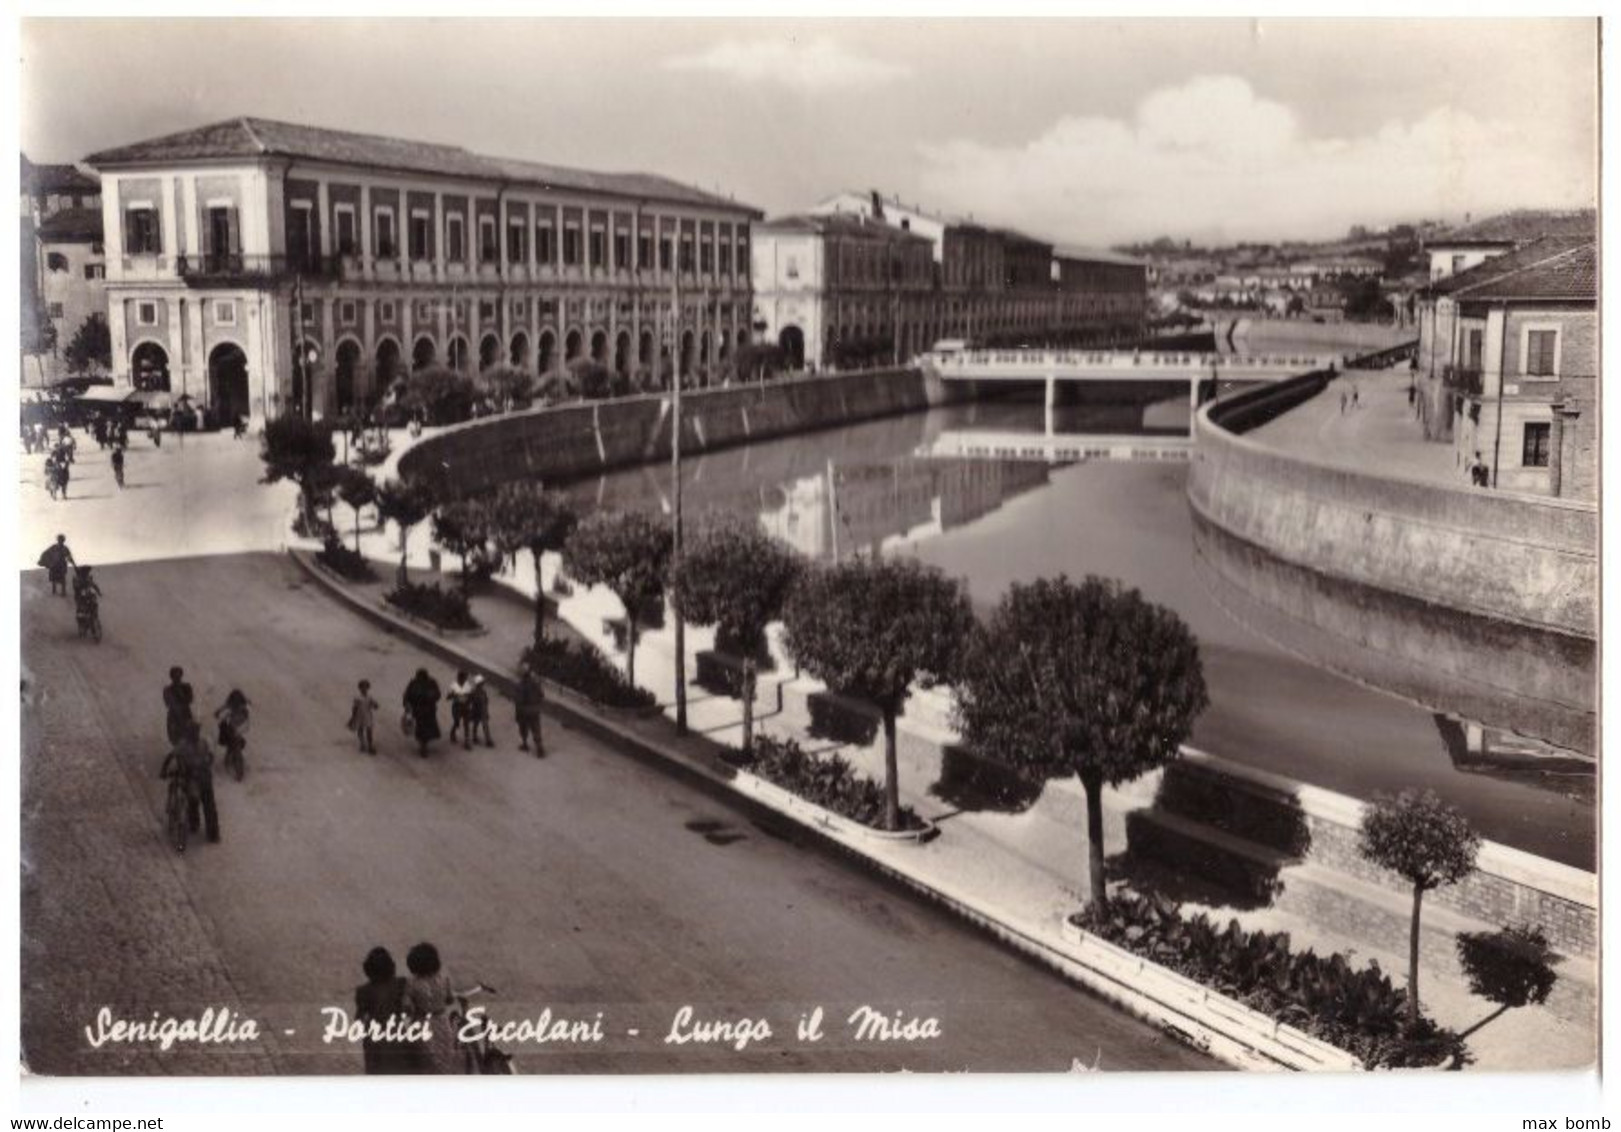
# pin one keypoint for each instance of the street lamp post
(675, 475)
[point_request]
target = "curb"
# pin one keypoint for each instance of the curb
(1188, 1011)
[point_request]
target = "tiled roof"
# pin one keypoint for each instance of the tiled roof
(1521, 227)
(1550, 268)
(71, 225)
(56, 179)
(842, 223)
(261, 137)
(1096, 255)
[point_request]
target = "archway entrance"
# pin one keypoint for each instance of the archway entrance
(548, 351)
(645, 355)
(622, 352)
(423, 353)
(571, 346)
(388, 363)
(489, 349)
(149, 366)
(456, 355)
(688, 357)
(348, 363)
(228, 383)
(792, 341)
(519, 355)
(599, 347)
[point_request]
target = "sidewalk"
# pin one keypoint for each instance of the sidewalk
(1028, 868)
(1380, 434)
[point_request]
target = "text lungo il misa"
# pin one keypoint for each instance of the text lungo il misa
(222, 1026)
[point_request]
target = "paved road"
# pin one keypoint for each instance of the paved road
(585, 883)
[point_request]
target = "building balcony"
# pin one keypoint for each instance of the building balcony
(235, 269)
(1463, 379)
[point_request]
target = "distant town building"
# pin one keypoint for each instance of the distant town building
(1338, 267)
(1000, 286)
(62, 262)
(247, 244)
(1469, 245)
(842, 289)
(1518, 378)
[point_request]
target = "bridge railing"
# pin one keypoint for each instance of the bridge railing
(1195, 362)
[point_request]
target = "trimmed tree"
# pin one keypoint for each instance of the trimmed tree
(1512, 968)
(509, 386)
(871, 629)
(91, 347)
(298, 450)
(463, 528)
(734, 575)
(1087, 679)
(356, 489)
(1426, 842)
(405, 502)
(526, 516)
(628, 552)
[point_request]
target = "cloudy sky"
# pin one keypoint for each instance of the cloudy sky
(1084, 131)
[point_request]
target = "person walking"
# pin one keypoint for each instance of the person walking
(531, 694)
(478, 712)
(460, 693)
(232, 717)
(379, 1000)
(56, 559)
(177, 700)
(362, 713)
(63, 459)
(422, 697)
(118, 465)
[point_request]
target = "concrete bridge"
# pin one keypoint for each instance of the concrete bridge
(1060, 448)
(1116, 366)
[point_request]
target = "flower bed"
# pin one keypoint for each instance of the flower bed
(344, 562)
(585, 670)
(829, 782)
(445, 609)
(1358, 1010)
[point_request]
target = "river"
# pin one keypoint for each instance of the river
(994, 522)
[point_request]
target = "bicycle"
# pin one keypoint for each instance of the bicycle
(479, 1056)
(233, 725)
(89, 618)
(234, 745)
(176, 822)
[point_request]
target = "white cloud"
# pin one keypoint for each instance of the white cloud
(815, 66)
(1211, 156)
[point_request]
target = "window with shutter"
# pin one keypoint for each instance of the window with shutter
(1535, 451)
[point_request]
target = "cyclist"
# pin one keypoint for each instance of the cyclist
(233, 724)
(86, 595)
(193, 762)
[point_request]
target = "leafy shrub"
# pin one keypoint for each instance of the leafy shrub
(1358, 1010)
(583, 668)
(445, 608)
(344, 562)
(830, 782)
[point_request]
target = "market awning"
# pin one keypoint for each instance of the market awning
(153, 400)
(107, 394)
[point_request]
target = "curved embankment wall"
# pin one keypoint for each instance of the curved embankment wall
(1477, 603)
(568, 441)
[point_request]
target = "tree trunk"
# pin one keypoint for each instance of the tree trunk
(357, 530)
(748, 704)
(892, 785)
(1094, 841)
(540, 605)
(630, 644)
(1412, 960)
(405, 550)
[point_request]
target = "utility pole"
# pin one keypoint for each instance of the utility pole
(675, 476)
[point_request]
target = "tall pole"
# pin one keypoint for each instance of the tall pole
(675, 476)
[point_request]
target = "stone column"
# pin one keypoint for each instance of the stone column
(439, 236)
(407, 333)
(323, 226)
(365, 222)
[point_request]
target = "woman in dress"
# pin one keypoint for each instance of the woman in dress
(380, 998)
(422, 701)
(428, 996)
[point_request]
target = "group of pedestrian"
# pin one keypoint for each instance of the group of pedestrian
(190, 755)
(469, 700)
(409, 1020)
(58, 462)
(1350, 399)
(1480, 475)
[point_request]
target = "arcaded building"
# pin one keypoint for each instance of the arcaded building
(236, 247)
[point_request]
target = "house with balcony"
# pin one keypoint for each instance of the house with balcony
(263, 267)
(1520, 376)
(1458, 252)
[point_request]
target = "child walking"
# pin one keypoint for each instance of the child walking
(361, 716)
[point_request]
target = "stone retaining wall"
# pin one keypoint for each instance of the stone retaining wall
(1479, 603)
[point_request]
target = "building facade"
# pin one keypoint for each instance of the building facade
(840, 290)
(1521, 369)
(997, 286)
(63, 267)
(250, 253)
